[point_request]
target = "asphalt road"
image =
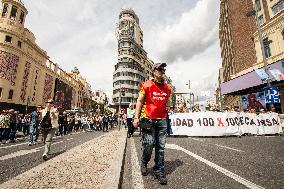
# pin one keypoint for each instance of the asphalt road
(231, 162)
(16, 158)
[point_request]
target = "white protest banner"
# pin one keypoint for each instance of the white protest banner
(248, 123)
(224, 123)
(269, 124)
(202, 124)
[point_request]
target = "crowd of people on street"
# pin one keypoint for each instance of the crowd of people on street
(13, 124)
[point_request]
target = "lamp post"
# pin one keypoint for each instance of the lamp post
(191, 99)
(260, 37)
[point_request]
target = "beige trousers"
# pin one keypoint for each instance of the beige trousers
(47, 136)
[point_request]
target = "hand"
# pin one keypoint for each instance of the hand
(135, 122)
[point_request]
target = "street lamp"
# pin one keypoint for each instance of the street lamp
(191, 99)
(260, 36)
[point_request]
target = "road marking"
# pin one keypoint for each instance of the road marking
(229, 148)
(23, 152)
(5, 147)
(137, 180)
(226, 172)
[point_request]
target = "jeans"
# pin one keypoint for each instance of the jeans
(155, 137)
(13, 128)
(33, 133)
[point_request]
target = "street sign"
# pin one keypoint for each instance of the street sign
(272, 95)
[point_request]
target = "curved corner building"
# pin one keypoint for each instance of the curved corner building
(133, 66)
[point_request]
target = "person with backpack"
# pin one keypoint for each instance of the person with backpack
(49, 125)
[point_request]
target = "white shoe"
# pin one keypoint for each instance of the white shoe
(44, 157)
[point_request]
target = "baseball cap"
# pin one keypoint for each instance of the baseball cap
(158, 65)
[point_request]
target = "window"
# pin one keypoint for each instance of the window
(261, 20)
(267, 50)
(257, 5)
(1, 92)
(11, 92)
(5, 8)
(20, 44)
(13, 12)
(8, 39)
(278, 7)
(22, 17)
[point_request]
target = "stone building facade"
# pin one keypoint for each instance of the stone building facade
(27, 75)
(133, 65)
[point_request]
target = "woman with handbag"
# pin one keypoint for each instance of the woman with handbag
(49, 125)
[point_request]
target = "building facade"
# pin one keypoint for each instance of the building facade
(27, 75)
(241, 84)
(133, 66)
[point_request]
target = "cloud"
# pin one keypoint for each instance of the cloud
(194, 32)
(183, 33)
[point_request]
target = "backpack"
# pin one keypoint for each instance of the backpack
(46, 121)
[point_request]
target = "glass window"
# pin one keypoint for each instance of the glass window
(8, 39)
(13, 12)
(19, 44)
(267, 50)
(5, 8)
(22, 17)
(261, 20)
(258, 5)
(11, 92)
(278, 7)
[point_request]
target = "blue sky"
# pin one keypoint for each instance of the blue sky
(182, 33)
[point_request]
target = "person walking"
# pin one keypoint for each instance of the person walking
(151, 106)
(49, 125)
(4, 126)
(130, 113)
(34, 125)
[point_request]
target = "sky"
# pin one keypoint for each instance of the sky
(182, 33)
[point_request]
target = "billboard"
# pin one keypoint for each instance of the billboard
(253, 101)
(63, 95)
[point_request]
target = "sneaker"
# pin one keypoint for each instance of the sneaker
(44, 157)
(144, 169)
(161, 178)
(30, 144)
(34, 143)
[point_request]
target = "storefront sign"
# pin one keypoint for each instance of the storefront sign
(272, 95)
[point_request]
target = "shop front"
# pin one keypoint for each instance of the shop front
(250, 88)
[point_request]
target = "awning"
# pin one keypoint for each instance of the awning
(248, 80)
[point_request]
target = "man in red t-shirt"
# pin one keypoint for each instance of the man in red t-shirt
(151, 107)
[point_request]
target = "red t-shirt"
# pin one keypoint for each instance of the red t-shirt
(157, 96)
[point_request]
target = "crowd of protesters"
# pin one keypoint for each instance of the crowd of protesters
(12, 122)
